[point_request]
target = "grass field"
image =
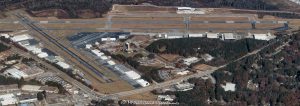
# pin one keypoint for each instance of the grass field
(136, 8)
(6, 26)
(143, 96)
(170, 57)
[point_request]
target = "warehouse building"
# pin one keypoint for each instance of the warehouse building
(19, 38)
(189, 10)
(108, 39)
(111, 62)
(132, 75)
(229, 36)
(15, 73)
(213, 35)
(262, 36)
(42, 55)
(189, 61)
(8, 99)
(142, 82)
(63, 65)
(192, 35)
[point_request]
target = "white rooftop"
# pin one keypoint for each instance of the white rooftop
(267, 36)
(103, 57)
(13, 72)
(42, 55)
(63, 65)
(5, 35)
(21, 37)
(212, 35)
(88, 46)
(142, 82)
(196, 35)
(132, 75)
(30, 88)
(8, 99)
(229, 86)
(184, 8)
(111, 62)
(189, 61)
(97, 52)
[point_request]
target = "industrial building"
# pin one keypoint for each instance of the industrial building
(132, 75)
(19, 38)
(188, 10)
(31, 71)
(192, 35)
(111, 62)
(189, 61)
(184, 87)
(108, 39)
(8, 99)
(15, 73)
(262, 36)
(63, 65)
(230, 36)
(5, 35)
(42, 55)
(168, 98)
(212, 35)
(174, 35)
(142, 82)
(229, 86)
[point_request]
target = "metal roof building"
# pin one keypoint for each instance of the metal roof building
(142, 82)
(132, 75)
(8, 99)
(191, 35)
(212, 35)
(21, 37)
(63, 65)
(15, 73)
(42, 55)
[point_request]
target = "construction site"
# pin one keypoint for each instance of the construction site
(75, 40)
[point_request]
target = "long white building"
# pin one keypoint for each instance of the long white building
(296, 1)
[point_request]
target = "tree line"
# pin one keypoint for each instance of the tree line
(227, 50)
(102, 6)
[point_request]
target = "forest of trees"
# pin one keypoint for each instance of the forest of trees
(277, 76)
(3, 47)
(227, 50)
(149, 73)
(102, 6)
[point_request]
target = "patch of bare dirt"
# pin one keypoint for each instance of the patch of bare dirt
(59, 13)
